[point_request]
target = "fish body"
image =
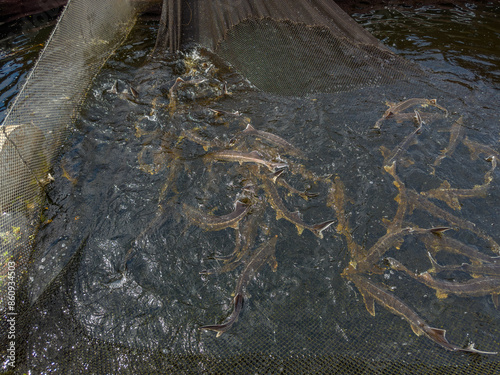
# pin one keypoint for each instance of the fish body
(417, 200)
(262, 255)
(337, 199)
(457, 132)
(490, 269)
(401, 199)
(193, 137)
(278, 179)
(273, 138)
(481, 286)
(214, 222)
(373, 293)
(425, 117)
(395, 108)
(394, 238)
(452, 196)
(246, 157)
(401, 148)
(476, 149)
(283, 213)
(238, 303)
(435, 244)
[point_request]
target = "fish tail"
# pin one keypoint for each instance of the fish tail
(318, 228)
(436, 268)
(439, 336)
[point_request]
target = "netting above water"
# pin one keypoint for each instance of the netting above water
(115, 283)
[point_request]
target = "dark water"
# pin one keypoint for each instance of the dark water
(115, 212)
(18, 53)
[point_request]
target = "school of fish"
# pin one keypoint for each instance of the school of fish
(266, 163)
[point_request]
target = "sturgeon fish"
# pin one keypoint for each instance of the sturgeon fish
(238, 302)
(395, 154)
(278, 179)
(372, 293)
(395, 108)
(481, 286)
(476, 149)
(394, 238)
(435, 244)
(214, 222)
(273, 138)
(337, 199)
(457, 132)
(293, 217)
(246, 157)
(420, 201)
(452, 197)
(263, 254)
(490, 269)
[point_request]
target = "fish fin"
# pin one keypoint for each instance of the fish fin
(496, 301)
(384, 151)
(249, 128)
(416, 329)
(435, 266)
(391, 169)
(279, 215)
(273, 263)
(277, 174)
(441, 295)
(300, 229)
(454, 203)
(439, 230)
(398, 197)
(377, 124)
(439, 336)
(407, 162)
(398, 243)
(445, 185)
(319, 228)
(369, 304)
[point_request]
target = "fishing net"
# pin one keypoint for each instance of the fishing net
(265, 170)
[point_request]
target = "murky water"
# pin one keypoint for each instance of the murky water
(117, 211)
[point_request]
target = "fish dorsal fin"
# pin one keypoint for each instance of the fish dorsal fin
(384, 151)
(249, 128)
(445, 185)
(300, 229)
(369, 304)
(398, 243)
(439, 336)
(441, 295)
(273, 263)
(416, 329)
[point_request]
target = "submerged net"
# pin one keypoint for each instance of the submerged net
(266, 40)
(145, 242)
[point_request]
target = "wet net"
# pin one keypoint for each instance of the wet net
(256, 187)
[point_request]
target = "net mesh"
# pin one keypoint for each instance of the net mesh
(114, 285)
(316, 38)
(39, 120)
